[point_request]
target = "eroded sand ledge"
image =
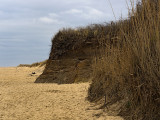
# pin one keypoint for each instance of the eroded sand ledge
(21, 98)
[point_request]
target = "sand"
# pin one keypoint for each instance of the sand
(22, 99)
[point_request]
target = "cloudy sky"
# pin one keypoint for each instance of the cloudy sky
(27, 26)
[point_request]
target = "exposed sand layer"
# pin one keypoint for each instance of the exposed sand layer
(22, 99)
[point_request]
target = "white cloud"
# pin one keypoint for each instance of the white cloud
(74, 11)
(54, 15)
(48, 20)
(51, 18)
(93, 13)
(85, 13)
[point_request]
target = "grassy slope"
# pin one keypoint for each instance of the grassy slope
(130, 68)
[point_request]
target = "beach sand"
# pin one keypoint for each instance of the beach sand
(22, 99)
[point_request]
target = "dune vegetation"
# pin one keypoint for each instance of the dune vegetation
(129, 65)
(36, 64)
(126, 62)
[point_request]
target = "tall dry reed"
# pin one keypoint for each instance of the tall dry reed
(129, 65)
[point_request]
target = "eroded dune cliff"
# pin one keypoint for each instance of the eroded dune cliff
(70, 57)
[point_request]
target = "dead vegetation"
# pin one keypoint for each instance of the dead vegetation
(129, 67)
(72, 53)
(127, 62)
(37, 64)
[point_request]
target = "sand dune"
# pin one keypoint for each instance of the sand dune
(21, 99)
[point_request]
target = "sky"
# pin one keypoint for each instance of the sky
(27, 26)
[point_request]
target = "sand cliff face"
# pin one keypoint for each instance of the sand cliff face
(70, 59)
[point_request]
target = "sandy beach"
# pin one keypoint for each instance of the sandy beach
(22, 99)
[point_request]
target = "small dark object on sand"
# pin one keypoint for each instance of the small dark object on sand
(33, 73)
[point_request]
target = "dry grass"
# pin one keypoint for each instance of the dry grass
(37, 64)
(72, 39)
(130, 68)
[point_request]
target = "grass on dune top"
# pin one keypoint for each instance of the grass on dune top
(37, 64)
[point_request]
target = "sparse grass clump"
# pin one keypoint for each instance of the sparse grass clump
(130, 68)
(37, 64)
